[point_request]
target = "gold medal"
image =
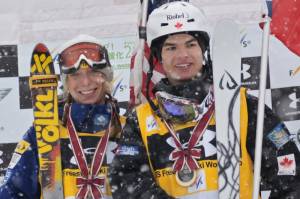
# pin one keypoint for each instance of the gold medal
(185, 177)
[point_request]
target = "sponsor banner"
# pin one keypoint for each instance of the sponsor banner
(8, 61)
(250, 73)
(286, 103)
(6, 151)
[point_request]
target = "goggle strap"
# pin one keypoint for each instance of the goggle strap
(68, 70)
(88, 61)
(71, 69)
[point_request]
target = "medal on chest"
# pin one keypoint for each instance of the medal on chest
(185, 157)
(186, 177)
(89, 183)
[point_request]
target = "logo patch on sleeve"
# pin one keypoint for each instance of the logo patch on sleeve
(286, 165)
(14, 160)
(127, 150)
(279, 136)
(151, 123)
(22, 147)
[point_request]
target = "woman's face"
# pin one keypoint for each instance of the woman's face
(87, 86)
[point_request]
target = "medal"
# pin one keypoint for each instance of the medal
(185, 157)
(186, 177)
(89, 183)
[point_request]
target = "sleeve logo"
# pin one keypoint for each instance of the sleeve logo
(286, 165)
(22, 147)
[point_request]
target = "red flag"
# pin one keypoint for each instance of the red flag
(285, 23)
(135, 84)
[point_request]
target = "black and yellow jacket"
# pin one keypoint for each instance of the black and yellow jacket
(145, 147)
(91, 121)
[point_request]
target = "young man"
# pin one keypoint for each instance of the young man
(92, 113)
(162, 152)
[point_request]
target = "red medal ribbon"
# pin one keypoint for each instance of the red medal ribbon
(185, 156)
(88, 182)
(94, 184)
(188, 156)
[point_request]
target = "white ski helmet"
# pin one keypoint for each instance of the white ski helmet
(177, 17)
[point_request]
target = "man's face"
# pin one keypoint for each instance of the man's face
(181, 58)
(86, 86)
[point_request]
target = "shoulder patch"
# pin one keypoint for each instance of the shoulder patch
(127, 150)
(286, 165)
(279, 136)
(22, 147)
(123, 120)
(151, 123)
(14, 160)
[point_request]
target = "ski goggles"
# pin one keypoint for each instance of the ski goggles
(176, 109)
(76, 56)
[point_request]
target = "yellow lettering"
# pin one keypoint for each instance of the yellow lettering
(43, 114)
(54, 120)
(46, 98)
(201, 165)
(38, 128)
(41, 63)
(38, 135)
(46, 122)
(211, 164)
(50, 134)
(43, 147)
(167, 172)
(47, 130)
(157, 174)
(44, 110)
(72, 173)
